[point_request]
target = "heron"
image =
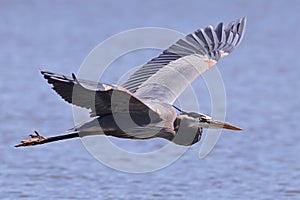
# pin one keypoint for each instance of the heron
(143, 106)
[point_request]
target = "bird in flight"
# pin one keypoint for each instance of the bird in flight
(142, 107)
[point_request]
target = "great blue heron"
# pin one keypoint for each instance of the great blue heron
(142, 108)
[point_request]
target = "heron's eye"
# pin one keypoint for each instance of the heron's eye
(202, 119)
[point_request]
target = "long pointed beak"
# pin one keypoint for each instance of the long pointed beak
(218, 124)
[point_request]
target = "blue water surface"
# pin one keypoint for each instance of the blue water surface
(262, 87)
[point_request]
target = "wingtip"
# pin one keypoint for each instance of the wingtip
(241, 29)
(42, 71)
(74, 77)
(243, 21)
(45, 72)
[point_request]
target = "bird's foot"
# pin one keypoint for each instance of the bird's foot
(35, 139)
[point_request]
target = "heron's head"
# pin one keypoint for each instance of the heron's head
(204, 121)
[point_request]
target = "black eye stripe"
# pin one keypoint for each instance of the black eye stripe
(204, 120)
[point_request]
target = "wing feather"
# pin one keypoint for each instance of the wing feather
(208, 42)
(102, 100)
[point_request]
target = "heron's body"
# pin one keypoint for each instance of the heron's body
(142, 108)
(167, 128)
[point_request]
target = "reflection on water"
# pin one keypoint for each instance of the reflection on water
(261, 80)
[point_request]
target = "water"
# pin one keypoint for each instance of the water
(262, 87)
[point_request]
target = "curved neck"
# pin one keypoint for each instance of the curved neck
(183, 133)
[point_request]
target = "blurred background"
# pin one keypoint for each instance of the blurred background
(260, 76)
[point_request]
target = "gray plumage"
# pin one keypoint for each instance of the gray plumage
(142, 108)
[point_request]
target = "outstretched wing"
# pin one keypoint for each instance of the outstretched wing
(101, 98)
(165, 77)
